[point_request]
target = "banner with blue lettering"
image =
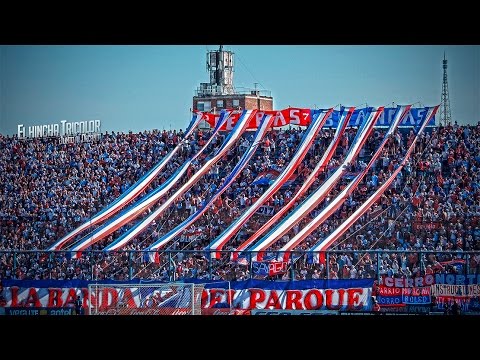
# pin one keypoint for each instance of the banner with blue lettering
(429, 292)
(263, 269)
(413, 118)
(399, 292)
(457, 279)
(389, 296)
(416, 295)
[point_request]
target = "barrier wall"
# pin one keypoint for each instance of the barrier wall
(441, 279)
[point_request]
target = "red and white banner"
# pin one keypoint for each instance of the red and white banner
(345, 118)
(259, 135)
(129, 300)
(131, 193)
(287, 172)
(141, 226)
(317, 196)
(340, 230)
(297, 299)
(289, 116)
(144, 204)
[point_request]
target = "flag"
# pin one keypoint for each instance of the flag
(154, 257)
(242, 261)
(265, 177)
(290, 181)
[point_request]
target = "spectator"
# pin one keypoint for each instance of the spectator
(78, 306)
(47, 189)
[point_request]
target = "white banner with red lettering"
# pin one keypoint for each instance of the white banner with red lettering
(345, 295)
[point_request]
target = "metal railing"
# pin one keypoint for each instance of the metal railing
(174, 265)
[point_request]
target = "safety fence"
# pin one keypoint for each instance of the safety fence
(175, 265)
(332, 282)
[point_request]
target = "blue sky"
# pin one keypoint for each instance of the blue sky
(139, 87)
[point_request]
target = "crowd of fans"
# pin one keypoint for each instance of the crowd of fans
(426, 219)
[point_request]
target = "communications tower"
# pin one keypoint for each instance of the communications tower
(220, 93)
(445, 112)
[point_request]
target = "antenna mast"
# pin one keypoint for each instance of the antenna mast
(445, 112)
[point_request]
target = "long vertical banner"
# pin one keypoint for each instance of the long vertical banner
(145, 203)
(287, 172)
(303, 117)
(340, 230)
(328, 154)
(316, 197)
(132, 192)
(261, 131)
(229, 141)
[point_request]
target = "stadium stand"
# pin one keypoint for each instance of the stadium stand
(426, 219)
